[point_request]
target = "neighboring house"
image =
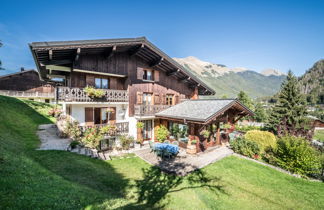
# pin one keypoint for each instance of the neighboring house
(141, 83)
(26, 84)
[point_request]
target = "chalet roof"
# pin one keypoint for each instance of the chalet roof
(65, 52)
(18, 73)
(202, 110)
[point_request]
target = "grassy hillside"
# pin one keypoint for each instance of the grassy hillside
(32, 179)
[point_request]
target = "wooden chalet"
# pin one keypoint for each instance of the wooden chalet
(138, 79)
(26, 84)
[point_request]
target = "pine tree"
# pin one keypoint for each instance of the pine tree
(260, 113)
(288, 116)
(245, 99)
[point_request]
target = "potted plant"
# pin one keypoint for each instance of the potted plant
(94, 93)
(140, 126)
(205, 133)
(191, 147)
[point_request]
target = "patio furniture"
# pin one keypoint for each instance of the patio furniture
(166, 142)
(175, 143)
(152, 146)
(166, 150)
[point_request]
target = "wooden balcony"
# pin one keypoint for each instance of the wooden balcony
(121, 128)
(67, 94)
(24, 94)
(149, 110)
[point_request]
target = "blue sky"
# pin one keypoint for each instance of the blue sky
(253, 34)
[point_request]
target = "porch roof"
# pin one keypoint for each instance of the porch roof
(202, 110)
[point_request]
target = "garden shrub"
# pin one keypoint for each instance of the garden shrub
(296, 155)
(162, 133)
(92, 137)
(246, 128)
(126, 141)
(264, 139)
(245, 147)
(74, 144)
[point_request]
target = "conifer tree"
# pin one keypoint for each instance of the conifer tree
(245, 99)
(288, 116)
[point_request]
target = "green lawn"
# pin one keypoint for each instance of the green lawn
(319, 135)
(32, 179)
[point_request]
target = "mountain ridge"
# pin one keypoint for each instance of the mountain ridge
(230, 81)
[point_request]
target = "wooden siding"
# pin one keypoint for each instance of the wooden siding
(124, 64)
(25, 81)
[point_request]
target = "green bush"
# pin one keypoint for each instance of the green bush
(92, 137)
(264, 139)
(162, 133)
(245, 147)
(74, 144)
(126, 141)
(296, 155)
(246, 128)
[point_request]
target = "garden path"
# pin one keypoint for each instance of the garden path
(47, 134)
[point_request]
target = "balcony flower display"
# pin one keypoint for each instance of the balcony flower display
(94, 93)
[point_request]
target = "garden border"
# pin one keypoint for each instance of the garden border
(274, 167)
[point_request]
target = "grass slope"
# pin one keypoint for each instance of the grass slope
(319, 135)
(32, 179)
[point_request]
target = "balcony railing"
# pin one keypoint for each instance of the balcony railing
(149, 110)
(79, 95)
(121, 128)
(24, 94)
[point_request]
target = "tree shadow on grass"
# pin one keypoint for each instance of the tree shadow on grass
(154, 188)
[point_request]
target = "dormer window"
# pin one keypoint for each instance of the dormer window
(148, 75)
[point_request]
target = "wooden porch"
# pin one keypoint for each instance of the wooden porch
(68, 94)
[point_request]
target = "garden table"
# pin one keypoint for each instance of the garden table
(170, 148)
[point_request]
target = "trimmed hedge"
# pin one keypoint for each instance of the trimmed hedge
(264, 139)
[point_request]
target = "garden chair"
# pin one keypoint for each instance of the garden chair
(152, 147)
(175, 143)
(166, 142)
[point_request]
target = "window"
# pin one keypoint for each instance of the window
(101, 83)
(178, 131)
(169, 99)
(147, 99)
(148, 75)
(147, 129)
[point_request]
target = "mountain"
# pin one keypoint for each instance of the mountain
(230, 81)
(269, 72)
(312, 83)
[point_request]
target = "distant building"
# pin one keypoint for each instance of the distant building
(26, 84)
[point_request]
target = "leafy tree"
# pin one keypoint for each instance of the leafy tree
(245, 99)
(288, 116)
(260, 113)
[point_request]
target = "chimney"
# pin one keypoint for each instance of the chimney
(22, 69)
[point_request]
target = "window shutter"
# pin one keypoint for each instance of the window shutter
(139, 97)
(89, 115)
(156, 98)
(90, 80)
(112, 118)
(156, 76)
(140, 73)
(113, 83)
(162, 99)
(176, 99)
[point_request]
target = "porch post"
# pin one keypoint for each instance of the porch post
(218, 134)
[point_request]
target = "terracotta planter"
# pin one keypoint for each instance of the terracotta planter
(191, 149)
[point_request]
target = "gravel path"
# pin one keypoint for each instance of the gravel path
(185, 163)
(47, 134)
